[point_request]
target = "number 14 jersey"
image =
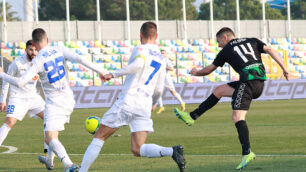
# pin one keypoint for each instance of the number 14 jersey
(244, 55)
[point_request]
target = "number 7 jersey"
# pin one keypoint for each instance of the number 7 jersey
(244, 55)
(145, 75)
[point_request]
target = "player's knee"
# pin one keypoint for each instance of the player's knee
(10, 123)
(218, 92)
(47, 141)
(173, 92)
(234, 119)
(237, 117)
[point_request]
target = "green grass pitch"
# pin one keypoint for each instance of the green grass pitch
(277, 135)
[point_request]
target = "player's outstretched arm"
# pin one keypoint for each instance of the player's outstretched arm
(72, 56)
(204, 71)
(278, 60)
(5, 86)
(133, 67)
(21, 81)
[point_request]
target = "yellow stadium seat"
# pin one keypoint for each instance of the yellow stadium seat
(22, 45)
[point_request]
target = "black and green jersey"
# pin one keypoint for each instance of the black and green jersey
(244, 56)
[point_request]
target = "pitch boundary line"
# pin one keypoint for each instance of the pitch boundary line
(11, 149)
(192, 155)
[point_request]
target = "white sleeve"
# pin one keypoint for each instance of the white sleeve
(169, 63)
(133, 67)
(5, 85)
(159, 86)
(72, 56)
(23, 80)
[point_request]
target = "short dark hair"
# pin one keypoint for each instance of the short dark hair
(38, 35)
(148, 29)
(225, 30)
(29, 43)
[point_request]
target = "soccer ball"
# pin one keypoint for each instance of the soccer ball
(92, 124)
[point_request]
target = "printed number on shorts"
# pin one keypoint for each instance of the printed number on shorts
(10, 108)
(156, 65)
(56, 71)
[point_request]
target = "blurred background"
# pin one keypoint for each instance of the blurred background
(106, 31)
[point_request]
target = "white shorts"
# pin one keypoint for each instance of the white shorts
(169, 82)
(57, 113)
(116, 117)
(19, 107)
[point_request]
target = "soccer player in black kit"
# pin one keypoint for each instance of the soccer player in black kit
(244, 55)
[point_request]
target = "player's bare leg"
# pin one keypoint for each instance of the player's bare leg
(93, 150)
(223, 91)
(137, 140)
(104, 132)
(239, 115)
(238, 118)
(10, 121)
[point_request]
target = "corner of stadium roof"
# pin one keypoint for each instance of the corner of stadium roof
(279, 4)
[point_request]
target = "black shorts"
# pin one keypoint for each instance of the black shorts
(245, 92)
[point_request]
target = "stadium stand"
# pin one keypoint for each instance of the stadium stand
(113, 54)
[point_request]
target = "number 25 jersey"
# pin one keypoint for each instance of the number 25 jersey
(51, 68)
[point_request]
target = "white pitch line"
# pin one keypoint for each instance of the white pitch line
(11, 149)
(217, 155)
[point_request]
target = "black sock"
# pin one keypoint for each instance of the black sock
(211, 101)
(243, 133)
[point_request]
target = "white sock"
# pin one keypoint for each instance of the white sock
(50, 155)
(178, 97)
(160, 102)
(153, 151)
(91, 154)
(4, 130)
(56, 146)
(45, 144)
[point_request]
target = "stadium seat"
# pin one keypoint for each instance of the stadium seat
(114, 54)
(138, 42)
(91, 44)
